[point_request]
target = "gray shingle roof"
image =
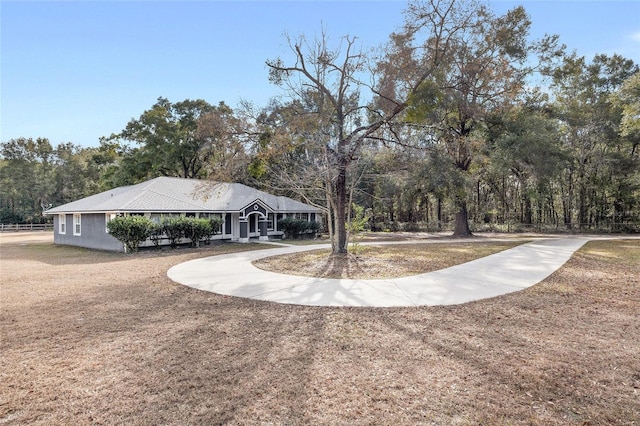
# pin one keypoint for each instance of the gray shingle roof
(167, 194)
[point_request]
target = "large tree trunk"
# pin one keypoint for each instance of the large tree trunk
(341, 211)
(583, 212)
(527, 212)
(567, 203)
(461, 228)
(330, 215)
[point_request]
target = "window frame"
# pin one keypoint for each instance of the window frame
(77, 224)
(271, 218)
(62, 224)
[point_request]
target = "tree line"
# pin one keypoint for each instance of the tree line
(460, 122)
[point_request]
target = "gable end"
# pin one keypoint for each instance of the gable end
(256, 207)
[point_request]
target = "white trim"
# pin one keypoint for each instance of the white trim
(62, 224)
(77, 224)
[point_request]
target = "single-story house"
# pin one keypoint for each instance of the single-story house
(246, 212)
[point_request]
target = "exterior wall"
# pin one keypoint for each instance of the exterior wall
(93, 233)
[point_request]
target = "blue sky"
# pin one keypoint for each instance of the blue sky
(74, 71)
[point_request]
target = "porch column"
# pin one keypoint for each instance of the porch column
(244, 231)
(263, 225)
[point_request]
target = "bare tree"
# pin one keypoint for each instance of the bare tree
(329, 81)
(354, 97)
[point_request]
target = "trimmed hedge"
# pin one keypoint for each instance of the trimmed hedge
(294, 227)
(131, 230)
(195, 229)
(174, 229)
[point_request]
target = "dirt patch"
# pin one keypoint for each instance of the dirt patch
(106, 338)
(381, 261)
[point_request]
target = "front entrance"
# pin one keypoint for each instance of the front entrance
(254, 230)
(254, 226)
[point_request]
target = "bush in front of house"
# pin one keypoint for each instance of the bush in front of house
(197, 229)
(174, 229)
(294, 227)
(131, 230)
(156, 235)
(216, 226)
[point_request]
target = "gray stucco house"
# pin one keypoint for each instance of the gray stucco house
(246, 212)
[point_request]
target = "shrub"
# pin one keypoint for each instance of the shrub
(174, 228)
(196, 229)
(131, 230)
(294, 227)
(356, 225)
(156, 235)
(216, 226)
(313, 227)
(411, 227)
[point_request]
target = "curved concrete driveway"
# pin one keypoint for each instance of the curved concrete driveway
(501, 273)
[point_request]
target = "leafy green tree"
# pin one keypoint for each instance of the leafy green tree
(35, 176)
(117, 164)
(483, 71)
(224, 135)
(625, 182)
(73, 177)
(627, 98)
(26, 179)
(525, 144)
(595, 185)
(189, 139)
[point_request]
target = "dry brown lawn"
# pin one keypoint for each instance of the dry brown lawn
(387, 261)
(104, 338)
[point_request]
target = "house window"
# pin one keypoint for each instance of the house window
(77, 224)
(62, 224)
(270, 222)
(107, 218)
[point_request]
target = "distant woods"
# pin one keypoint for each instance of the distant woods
(461, 122)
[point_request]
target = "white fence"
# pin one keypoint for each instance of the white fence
(14, 227)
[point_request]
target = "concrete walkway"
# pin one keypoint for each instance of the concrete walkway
(501, 273)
